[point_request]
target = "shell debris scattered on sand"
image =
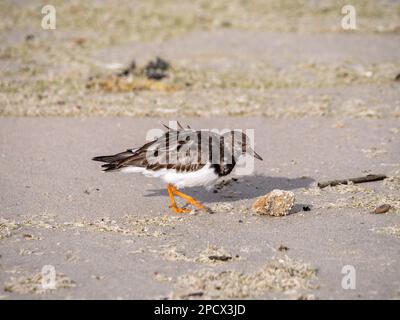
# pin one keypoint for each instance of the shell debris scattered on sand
(280, 275)
(275, 203)
(32, 284)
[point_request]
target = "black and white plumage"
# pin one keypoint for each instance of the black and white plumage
(184, 157)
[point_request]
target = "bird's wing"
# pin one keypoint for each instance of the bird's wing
(182, 150)
(176, 149)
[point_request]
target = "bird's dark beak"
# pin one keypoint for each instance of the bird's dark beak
(251, 152)
(257, 156)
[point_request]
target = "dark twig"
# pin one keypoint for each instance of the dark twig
(367, 178)
(220, 258)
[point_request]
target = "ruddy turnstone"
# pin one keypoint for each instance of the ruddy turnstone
(184, 157)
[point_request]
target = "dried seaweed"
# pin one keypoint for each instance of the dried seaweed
(7, 227)
(130, 225)
(367, 202)
(210, 255)
(280, 275)
(32, 284)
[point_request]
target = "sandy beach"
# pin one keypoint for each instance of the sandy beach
(324, 104)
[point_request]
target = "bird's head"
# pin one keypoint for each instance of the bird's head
(240, 144)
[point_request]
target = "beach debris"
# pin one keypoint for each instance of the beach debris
(138, 251)
(350, 188)
(367, 202)
(279, 275)
(193, 295)
(214, 254)
(393, 182)
(210, 255)
(367, 178)
(382, 209)
(129, 225)
(222, 207)
(29, 37)
(80, 41)
(283, 248)
(88, 191)
(220, 258)
(28, 252)
(275, 203)
(29, 236)
(7, 227)
(157, 69)
(32, 284)
(133, 78)
(161, 277)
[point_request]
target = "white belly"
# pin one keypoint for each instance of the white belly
(206, 176)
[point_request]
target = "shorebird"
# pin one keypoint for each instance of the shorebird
(184, 157)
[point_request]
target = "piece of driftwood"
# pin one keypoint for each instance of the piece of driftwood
(367, 178)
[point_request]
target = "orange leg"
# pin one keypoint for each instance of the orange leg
(173, 205)
(173, 190)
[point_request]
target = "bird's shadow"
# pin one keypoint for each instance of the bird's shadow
(241, 188)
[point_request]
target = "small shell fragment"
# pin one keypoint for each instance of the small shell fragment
(382, 209)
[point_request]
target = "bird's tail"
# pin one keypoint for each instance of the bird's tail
(112, 162)
(114, 157)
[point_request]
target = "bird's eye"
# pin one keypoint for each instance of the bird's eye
(156, 153)
(187, 138)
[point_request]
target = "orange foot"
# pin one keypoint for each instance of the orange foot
(179, 210)
(172, 190)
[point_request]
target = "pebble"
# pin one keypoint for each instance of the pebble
(382, 209)
(275, 203)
